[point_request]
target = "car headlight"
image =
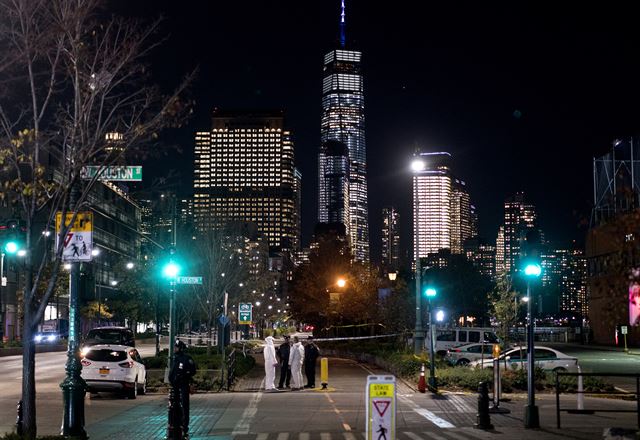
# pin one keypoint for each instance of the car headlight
(38, 338)
(51, 338)
(84, 351)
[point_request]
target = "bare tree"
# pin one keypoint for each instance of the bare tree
(67, 78)
(220, 252)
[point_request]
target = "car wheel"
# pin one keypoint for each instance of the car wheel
(143, 389)
(133, 392)
(463, 362)
(560, 370)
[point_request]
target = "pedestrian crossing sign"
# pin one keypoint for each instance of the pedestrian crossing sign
(78, 242)
(381, 408)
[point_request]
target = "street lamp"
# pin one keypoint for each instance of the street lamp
(341, 282)
(531, 415)
(392, 276)
(418, 165)
(171, 271)
(130, 265)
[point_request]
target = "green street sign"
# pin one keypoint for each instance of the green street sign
(113, 173)
(244, 313)
(189, 280)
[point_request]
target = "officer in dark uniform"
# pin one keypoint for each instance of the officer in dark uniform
(311, 354)
(283, 354)
(182, 370)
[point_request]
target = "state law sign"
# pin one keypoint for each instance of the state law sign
(78, 243)
(381, 408)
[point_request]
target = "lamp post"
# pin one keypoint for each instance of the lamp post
(433, 384)
(171, 271)
(531, 415)
(417, 166)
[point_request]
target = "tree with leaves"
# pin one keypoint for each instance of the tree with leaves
(71, 75)
(504, 306)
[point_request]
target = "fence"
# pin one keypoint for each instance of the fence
(591, 411)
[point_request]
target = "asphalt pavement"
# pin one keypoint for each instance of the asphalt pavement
(251, 413)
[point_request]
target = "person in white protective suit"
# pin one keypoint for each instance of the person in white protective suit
(296, 358)
(270, 363)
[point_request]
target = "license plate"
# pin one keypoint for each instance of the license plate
(104, 371)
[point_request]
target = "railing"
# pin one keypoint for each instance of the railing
(582, 392)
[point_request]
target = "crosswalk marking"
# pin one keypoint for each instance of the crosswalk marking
(456, 436)
(283, 436)
(433, 435)
(304, 436)
(325, 436)
(262, 436)
(349, 436)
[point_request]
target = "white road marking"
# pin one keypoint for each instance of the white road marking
(440, 423)
(349, 436)
(325, 436)
(262, 436)
(242, 427)
(304, 436)
(283, 436)
(433, 436)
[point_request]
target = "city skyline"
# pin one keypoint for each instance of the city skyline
(505, 119)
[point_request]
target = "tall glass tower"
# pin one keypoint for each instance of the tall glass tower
(343, 121)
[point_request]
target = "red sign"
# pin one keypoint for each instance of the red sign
(381, 406)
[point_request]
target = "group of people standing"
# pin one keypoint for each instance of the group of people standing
(290, 356)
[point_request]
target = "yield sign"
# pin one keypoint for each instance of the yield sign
(381, 406)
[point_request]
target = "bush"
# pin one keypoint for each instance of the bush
(463, 377)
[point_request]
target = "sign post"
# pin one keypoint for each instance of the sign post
(623, 330)
(381, 408)
(497, 382)
(78, 243)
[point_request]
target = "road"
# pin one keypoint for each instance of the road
(604, 360)
(251, 413)
(49, 374)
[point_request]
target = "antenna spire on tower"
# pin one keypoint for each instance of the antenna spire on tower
(342, 26)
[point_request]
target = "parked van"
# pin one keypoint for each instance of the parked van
(449, 337)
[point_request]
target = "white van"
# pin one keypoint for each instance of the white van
(448, 337)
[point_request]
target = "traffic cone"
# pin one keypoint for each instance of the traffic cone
(422, 386)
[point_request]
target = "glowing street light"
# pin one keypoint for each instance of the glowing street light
(171, 270)
(130, 265)
(531, 415)
(11, 247)
(532, 270)
(440, 315)
(341, 282)
(418, 165)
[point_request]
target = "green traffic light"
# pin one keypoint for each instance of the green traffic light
(430, 292)
(11, 247)
(171, 270)
(532, 270)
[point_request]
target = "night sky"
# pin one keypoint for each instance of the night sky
(522, 94)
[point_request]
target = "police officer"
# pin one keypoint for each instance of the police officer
(182, 370)
(311, 353)
(283, 354)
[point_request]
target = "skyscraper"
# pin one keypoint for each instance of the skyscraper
(244, 172)
(334, 181)
(431, 203)
(461, 220)
(564, 279)
(519, 217)
(343, 121)
(390, 238)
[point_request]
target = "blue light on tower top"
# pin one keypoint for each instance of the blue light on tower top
(342, 26)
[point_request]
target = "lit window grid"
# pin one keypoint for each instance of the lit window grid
(431, 213)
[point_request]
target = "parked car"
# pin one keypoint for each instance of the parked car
(465, 354)
(544, 357)
(115, 368)
(109, 335)
(450, 337)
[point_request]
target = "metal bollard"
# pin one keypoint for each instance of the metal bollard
(497, 390)
(324, 373)
(19, 418)
(174, 425)
(483, 419)
(580, 391)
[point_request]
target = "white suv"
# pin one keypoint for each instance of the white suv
(114, 368)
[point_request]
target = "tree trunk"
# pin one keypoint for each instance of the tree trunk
(28, 374)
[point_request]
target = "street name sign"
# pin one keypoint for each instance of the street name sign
(244, 313)
(78, 243)
(381, 408)
(189, 280)
(112, 173)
